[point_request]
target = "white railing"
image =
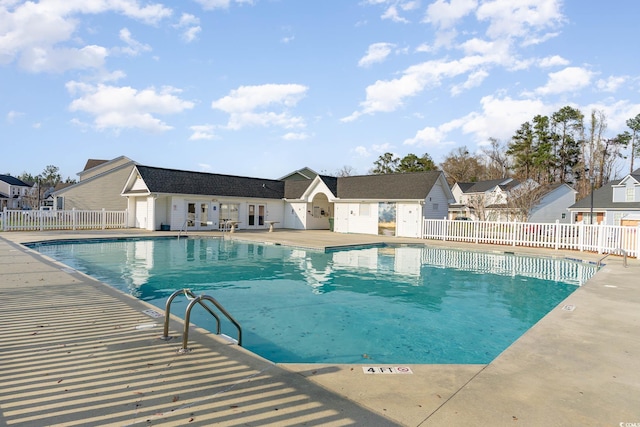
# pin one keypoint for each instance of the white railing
(580, 237)
(20, 220)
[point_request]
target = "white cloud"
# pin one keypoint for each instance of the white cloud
(382, 148)
(377, 52)
(500, 117)
(389, 95)
(392, 14)
(36, 34)
(134, 47)
(612, 83)
(13, 115)
(124, 107)
(46, 59)
(190, 25)
(362, 151)
(241, 105)
(201, 132)
(445, 14)
(524, 18)
(570, 79)
(553, 61)
(220, 4)
(475, 79)
(428, 136)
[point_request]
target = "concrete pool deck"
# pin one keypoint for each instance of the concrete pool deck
(75, 352)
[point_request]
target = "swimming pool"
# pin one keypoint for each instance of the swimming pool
(385, 304)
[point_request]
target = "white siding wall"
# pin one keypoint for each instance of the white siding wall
(295, 215)
(161, 212)
(341, 217)
(349, 218)
(408, 219)
(436, 205)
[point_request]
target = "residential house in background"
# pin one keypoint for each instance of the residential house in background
(617, 203)
(473, 198)
(99, 186)
(392, 204)
(553, 205)
(507, 199)
(13, 193)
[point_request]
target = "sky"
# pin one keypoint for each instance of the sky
(262, 88)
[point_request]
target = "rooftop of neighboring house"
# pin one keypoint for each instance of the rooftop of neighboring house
(482, 186)
(603, 198)
(11, 180)
(92, 163)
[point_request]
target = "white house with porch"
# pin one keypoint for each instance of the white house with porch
(393, 204)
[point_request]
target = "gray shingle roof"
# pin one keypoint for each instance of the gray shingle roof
(397, 186)
(481, 186)
(174, 181)
(294, 189)
(11, 180)
(603, 199)
(405, 186)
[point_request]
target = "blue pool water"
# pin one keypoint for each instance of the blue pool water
(400, 305)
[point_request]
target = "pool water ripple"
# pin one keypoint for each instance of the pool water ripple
(400, 305)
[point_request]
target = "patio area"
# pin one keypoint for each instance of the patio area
(77, 352)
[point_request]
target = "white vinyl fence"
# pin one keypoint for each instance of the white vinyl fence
(19, 220)
(581, 237)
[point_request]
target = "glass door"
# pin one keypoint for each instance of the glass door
(256, 215)
(198, 216)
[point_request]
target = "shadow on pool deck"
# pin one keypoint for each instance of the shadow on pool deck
(71, 355)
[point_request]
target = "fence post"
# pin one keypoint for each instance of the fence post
(4, 219)
(104, 218)
(73, 219)
(557, 235)
(476, 226)
(581, 236)
(637, 248)
(600, 231)
(445, 223)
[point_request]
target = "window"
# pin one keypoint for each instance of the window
(616, 218)
(435, 206)
(365, 210)
(630, 194)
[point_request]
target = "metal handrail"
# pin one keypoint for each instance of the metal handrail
(187, 317)
(167, 311)
(624, 259)
(183, 228)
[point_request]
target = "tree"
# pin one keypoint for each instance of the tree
(345, 171)
(50, 176)
(634, 125)
(611, 151)
(413, 163)
(567, 124)
(523, 198)
(460, 166)
(497, 160)
(544, 161)
(523, 151)
(386, 163)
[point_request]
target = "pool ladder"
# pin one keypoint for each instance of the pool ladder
(196, 299)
